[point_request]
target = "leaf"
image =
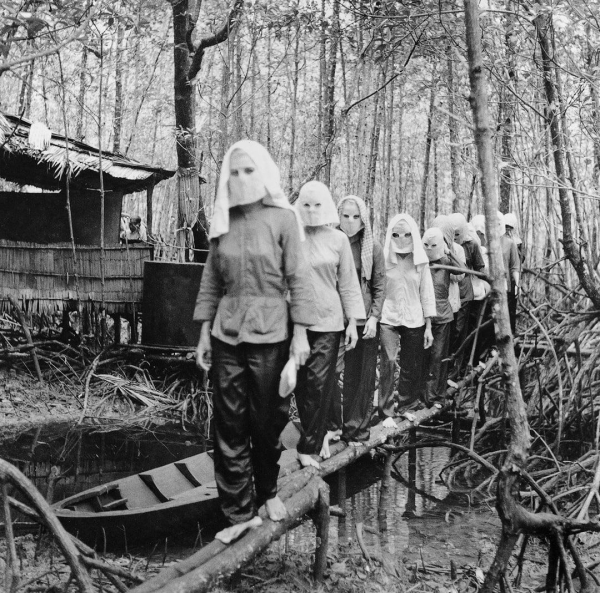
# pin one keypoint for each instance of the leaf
(339, 568)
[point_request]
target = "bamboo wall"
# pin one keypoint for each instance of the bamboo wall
(43, 277)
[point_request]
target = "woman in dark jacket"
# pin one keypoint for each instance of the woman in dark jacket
(255, 260)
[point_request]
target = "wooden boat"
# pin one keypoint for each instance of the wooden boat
(166, 501)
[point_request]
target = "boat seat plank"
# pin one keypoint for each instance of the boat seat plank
(171, 480)
(150, 481)
(137, 493)
(109, 506)
(202, 467)
(184, 468)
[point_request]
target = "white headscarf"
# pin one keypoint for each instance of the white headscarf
(460, 226)
(328, 213)
(435, 234)
(419, 255)
(478, 223)
(510, 219)
(366, 241)
(268, 171)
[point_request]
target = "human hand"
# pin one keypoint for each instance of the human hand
(204, 349)
(428, 340)
(351, 336)
(370, 330)
(299, 348)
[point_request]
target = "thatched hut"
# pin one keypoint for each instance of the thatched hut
(56, 248)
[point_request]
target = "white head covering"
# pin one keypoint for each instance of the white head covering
(501, 223)
(460, 226)
(510, 219)
(366, 241)
(473, 236)
(268, 171)
(328, 212)
(478, 223)
(419, 255)
(447, 226)
(436, 236)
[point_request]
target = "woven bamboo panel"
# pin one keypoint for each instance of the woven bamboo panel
(45, 278)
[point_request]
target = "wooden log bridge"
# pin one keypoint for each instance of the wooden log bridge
(302, 491)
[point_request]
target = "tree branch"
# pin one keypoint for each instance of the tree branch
(215, 39)
(8, 64)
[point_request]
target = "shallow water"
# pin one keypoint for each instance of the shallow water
(417, 518)
(89, 456)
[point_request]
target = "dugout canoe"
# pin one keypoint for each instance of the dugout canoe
(180, 497)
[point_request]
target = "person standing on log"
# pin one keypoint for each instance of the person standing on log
(255, 260)
(408, 308)
(336, 294)
(512, 263)
(360, 364)
(435, 366)
(474, 261)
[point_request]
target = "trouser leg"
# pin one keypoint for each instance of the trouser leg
(233, 464)
(268, 415)
(359, 385)
(314, 389)
(512, 310)
(390, 344)
(410, 383)
(460, 326)
(434, 366)
(337, 408)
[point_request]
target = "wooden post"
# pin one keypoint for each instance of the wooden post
(410, 509)
(149, 193)
(341, 496)
(322, 523)
(23, 322)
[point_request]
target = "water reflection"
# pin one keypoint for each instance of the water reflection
(403, 509)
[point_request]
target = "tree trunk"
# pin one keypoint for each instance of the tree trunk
(518, 447)
(374, 150)
(543, 24)
(118, 113)
(296, 32)
(507, 115)
(329, 103)
(81, 99)
(423, 201)
(453, 133)
(401, 204)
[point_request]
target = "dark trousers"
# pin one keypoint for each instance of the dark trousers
(460, 327)
(360, 367)
(409, 342)
(512, 309)
(314, 390)
(434, 366)
(249, 416)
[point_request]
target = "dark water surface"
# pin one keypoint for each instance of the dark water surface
(417, 518)
(88, 456)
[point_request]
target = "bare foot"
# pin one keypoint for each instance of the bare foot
(389, 423)
(276, 509)
(355, 444)
(232, 533)
(409, 416)
(325, 453)
(307, 461)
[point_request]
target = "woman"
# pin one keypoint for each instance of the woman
(255, 259)
(360, 363)
(436, 364)
(406, 317)
(337, 294)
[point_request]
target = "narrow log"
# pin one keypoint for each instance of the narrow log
(243, 550)
(289, 484)
(23, 322)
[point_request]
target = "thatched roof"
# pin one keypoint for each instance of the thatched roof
(21, 162)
